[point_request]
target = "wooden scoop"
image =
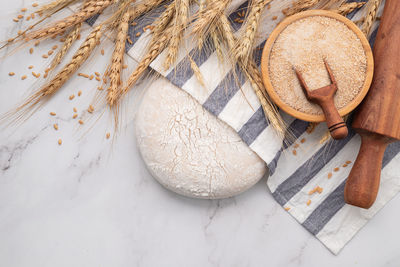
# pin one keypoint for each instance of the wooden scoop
(378, 118)
(324, 98)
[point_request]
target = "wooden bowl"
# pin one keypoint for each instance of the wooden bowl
(268, 48)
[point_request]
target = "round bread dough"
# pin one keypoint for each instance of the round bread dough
(190, 151)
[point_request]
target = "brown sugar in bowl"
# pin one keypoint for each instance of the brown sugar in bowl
(289, 107)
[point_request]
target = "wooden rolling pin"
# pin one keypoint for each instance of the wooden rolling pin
(378, 118)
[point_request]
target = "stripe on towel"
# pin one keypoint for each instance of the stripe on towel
(308, 170)
(335, 201)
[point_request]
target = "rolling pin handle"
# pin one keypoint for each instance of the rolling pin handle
(362, 184)
(336, 125)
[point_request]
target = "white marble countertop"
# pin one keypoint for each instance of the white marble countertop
(91, 202)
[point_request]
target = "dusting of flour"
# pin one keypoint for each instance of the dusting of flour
(303, 45)
(190, 151)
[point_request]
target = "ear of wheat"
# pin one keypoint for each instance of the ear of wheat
(372, 11)
(115, 68)
(244, 46)
(60, 78)
(179, 25)
(299, 6)
(347, 8)
(53, 6)
(70, 39)
(207, 18)
(94, 7)
(163, 21)
(155, 50)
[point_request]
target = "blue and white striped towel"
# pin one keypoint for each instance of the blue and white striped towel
(231, 99)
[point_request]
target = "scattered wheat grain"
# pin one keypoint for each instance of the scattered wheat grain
(37, 75)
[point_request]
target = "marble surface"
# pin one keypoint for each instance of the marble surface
(91, 201)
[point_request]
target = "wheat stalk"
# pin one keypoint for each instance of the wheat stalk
(58, 81)
(162, 22)
(255, 78)
(243, 48)
(372, 10)
(70, 39)
(347, 8)
(270, 110)
(115, 69)
(180, 23)
(93, 7)
(299, 6)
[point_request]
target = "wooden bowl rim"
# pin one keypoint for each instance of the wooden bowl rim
(271, 41)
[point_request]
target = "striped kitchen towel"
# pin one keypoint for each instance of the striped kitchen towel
(296, 166)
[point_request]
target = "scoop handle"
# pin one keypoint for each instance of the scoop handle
(362, 184)
(336, 125)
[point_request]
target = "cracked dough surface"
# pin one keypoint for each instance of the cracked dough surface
(188, 150)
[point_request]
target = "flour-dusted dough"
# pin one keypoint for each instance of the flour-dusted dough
(188, 150)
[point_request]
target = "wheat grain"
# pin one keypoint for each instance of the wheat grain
(70, 39)
(371, 13)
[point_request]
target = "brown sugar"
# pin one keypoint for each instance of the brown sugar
(304, 45)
